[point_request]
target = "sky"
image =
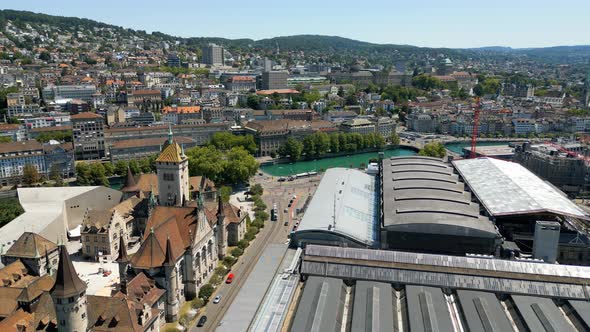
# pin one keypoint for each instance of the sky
(428, 23)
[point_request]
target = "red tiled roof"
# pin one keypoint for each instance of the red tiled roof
(85, 115)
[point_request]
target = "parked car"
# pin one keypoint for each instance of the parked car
(230, 278)
(202, 321)
(217, 299)
(282, 179)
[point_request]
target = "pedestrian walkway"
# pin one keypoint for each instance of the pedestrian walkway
(244, 307)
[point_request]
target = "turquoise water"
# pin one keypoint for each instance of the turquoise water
(343, 161)
(458, 147)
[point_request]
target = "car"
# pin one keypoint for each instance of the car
(230, 278)
(260, 173)
(286, 210)
(282, 179)
(294, 196)
(202, 321)
(289, 205)
(217, 299)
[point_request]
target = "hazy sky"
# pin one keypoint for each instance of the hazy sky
(433, 23)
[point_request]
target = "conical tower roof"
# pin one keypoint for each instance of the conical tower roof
(130, 184)
(122, 258)
(67, 282)
(169, 261)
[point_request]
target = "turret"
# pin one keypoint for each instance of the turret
(172, 302)
(123, 262)
(220, 229)
(130, 188)
(69, 296)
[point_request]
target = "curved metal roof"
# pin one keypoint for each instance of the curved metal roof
(346, 198)
(429, 199)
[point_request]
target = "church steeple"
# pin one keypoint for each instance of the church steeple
(69, 295)
(123, 262)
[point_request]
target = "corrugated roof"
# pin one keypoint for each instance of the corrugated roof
(483, 311)
(541, 314)
(345, 198)
(321, 305)
(373, 307)
(507, 188)
(428, 310)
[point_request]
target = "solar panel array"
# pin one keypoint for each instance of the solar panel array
(499, 265)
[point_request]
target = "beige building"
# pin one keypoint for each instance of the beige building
(173, 178)
(37, 253)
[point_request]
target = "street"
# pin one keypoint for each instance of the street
(275, 232)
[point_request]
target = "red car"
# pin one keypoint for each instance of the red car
(230, 278)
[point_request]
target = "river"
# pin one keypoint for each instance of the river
(354, 160)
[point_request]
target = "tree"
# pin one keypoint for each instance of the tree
(225, 192)
(206, 291)
(109, 169)
(30, 175)
(240, 166)
(229, 261)
(10, 208)
(434, 149)
(5, 139)
(291, 149)
(427, 82)
(45, 56)
(243, 244)
(256, 189)
(121, 167)
(253, 101)
(237, 252)
(394, 138)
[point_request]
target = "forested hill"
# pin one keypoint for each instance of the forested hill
(312, 44)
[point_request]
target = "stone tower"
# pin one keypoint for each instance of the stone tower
(69, 296)
(172, 302)
(123, 262)
(221, 231)
(173, 177)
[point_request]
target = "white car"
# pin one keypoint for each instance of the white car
(217, 299)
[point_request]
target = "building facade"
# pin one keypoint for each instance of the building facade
(88, 136)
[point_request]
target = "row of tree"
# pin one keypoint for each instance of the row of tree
(232, 166)
(319, 144)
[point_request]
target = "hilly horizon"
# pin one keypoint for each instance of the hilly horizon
(343, 48)
(12, 14)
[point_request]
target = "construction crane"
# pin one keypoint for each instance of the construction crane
(475, 131)
(570, 153)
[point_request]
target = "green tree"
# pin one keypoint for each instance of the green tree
(10, 208)
(434, 149)
(109, 169)
(121, 167)
(225, 192)
(5, 139)
(257, 189)
(394, 138)
(30, 175)
(45, 56)
(291, 149)
(237, 252)
(206, 291)
(240, 166)
(426, 82)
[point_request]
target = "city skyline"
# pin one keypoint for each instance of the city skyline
(459, 24)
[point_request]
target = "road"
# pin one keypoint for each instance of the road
(274, 232)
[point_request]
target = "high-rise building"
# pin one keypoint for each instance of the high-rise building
(213, 55)
(88, 132)
(267, 64)
(586, 97)
(173, 60)
(273, 80)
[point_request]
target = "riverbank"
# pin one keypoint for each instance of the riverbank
(343, 160)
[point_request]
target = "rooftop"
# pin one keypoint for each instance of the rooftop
(345, 203)
(507, 188)
(422, 195)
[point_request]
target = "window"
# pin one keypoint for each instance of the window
(83, 315)
(168, 177)
(71, 299)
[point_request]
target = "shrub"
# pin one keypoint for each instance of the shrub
(249, 236)
(171, 329)
(252, 230)
(229, 261)
(197, 303)
(206, 291)
(184, 320)
(221, 270)
(243, 244)
(216, 279)
(261, 214)
(237, 252)
(258, 223)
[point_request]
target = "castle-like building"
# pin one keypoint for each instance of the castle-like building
(182, 241)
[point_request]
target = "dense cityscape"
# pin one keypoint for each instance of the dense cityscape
(303, 183)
